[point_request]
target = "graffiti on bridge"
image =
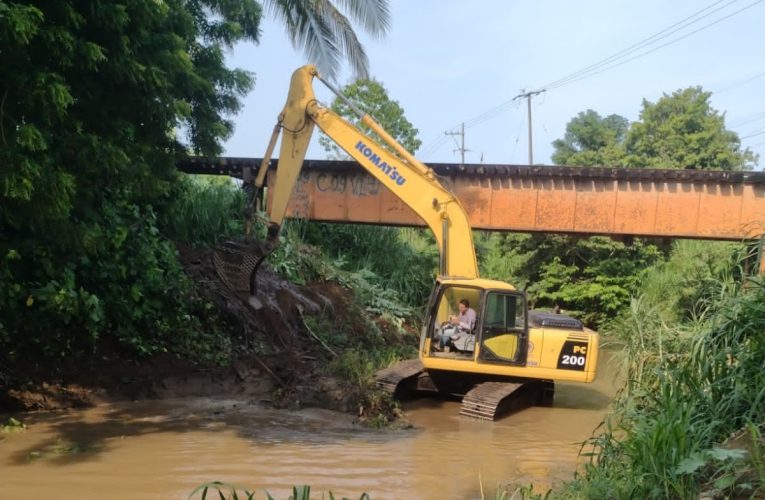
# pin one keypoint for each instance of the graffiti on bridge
(361, 185)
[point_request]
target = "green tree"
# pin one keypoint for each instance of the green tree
(326, 35)
(592, 140)
(595, 275)
(372, 98)
(90, 94)
(592, 278)
(682, 130)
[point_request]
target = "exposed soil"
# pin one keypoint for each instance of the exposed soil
(276, 358)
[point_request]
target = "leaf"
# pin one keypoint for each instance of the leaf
(725, 454)
(691, 464)
(725, 482)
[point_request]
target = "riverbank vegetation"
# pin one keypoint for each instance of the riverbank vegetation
(690, 417)
(98, 102)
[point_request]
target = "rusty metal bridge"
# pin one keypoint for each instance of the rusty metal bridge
(574, 200)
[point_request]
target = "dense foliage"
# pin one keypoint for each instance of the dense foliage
(207, 211)
(680, 130)
(690, 417)
(403, 261)
(592, 278)
(90, 96)
(592, 140)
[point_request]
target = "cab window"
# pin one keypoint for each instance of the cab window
(503, 334)
(504, 312)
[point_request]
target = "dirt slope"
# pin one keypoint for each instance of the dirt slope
(275, 357)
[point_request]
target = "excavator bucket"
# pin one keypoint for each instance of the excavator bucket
(237, 263)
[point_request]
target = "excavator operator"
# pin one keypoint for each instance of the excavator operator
(460, 326)
(466, 317)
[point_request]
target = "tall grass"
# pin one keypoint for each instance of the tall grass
(694, 376)
(205, 212)
(400, 259)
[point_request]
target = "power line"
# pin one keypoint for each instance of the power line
(616, 60)
(517, 138)
(436, 143)
(434, 146)
(755, 134)
(675, 40)
(680, 25)
(607, 62)
(738, 84)
(747, 119)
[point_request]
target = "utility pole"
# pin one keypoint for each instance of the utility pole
(461, 147)
(528, 96)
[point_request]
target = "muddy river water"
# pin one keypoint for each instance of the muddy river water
(164, 449)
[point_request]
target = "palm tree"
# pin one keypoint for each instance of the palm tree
(325, 34)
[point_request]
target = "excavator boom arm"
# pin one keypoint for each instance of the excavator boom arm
(407, 178)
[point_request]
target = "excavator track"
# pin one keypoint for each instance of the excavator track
(489, 400)
(392, 378)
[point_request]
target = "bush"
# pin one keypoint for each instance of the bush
(124, 285)
(402, 260)
(691, 383)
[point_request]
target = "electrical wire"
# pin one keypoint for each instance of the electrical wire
(668, 31)
(753, 117)
(615, 60)
(660, 46)
(517, 139)
(439, 141)
(755, 134)
(434, 146)
(738, 84)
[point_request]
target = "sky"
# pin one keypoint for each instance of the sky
(450, 61)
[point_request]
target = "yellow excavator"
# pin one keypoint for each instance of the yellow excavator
(505, 355)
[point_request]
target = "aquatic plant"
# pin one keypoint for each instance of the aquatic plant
(219, 490)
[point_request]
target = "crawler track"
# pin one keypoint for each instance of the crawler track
(483, 400)
(490, 400)
(392, 378)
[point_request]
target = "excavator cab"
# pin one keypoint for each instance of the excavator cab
(499, 333)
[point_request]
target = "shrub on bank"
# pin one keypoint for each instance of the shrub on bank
(692, 383)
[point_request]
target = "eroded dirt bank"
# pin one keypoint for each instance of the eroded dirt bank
(276, 358)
